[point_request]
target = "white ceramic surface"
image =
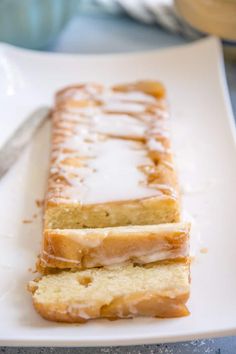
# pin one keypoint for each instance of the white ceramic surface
(204, 141)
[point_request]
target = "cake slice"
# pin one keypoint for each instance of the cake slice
(115, 292)
(111, 161)
(86, 248)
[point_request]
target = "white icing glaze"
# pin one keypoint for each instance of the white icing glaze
(163, 113)
(103, 178)
(123, 107)
(163, 255)
(139, 256)
(136, 256)
(83, 314)
(165, 188)
(80, 309)
(107, 149)
(91, 242)
(155, 145)
(130, 229)
(168, 164)
(61, 259)
(134, 96)
(119, 125)
(116, 176)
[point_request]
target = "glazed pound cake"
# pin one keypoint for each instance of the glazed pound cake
(113, 243)
(111, 161)
(87, 248)
(116, 292)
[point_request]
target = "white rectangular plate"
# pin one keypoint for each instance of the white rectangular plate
(204, 139)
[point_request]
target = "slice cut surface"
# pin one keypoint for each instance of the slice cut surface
(113, 292)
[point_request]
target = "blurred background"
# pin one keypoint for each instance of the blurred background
(92, 26)
(114, 26)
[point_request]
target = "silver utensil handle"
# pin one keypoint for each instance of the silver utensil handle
(13, 147)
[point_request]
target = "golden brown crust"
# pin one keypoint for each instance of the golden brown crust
(127, 306)
(145, 305)
(149, 87)
(99, 247)
(63, 206)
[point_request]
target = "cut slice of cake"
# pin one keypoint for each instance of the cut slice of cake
(115, 292)
(87, 248)
(111, 159)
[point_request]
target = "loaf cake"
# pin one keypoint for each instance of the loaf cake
(115, 292)
(113, 244)
(86, 248)
(111, 159)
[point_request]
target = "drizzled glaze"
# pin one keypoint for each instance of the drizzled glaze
(101, 138)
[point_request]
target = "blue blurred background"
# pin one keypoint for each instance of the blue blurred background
(34, 23)
(98, 26)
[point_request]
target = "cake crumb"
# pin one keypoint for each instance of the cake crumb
(204, 250)
(35, 216)
(39, 202)
(26, 221)
(32, 270)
